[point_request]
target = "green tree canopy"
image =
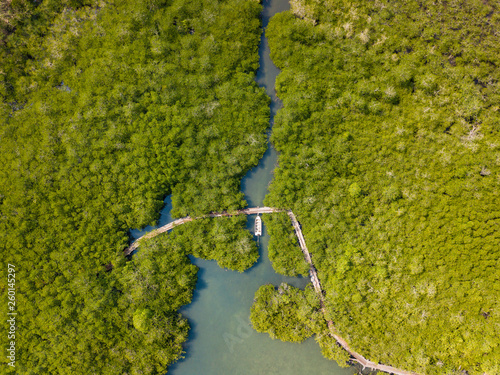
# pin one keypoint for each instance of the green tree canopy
(389, 155)
(287, 313)
(107, 107)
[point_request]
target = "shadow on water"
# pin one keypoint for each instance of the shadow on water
(255, 180)
(186, 356)
(165, 218)
(200, 282)
(193, 324)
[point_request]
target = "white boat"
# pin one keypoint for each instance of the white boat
(258, 226)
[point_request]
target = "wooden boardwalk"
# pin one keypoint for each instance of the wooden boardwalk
(173, 224)
(317, 287)
(312, 272)
(307, 256)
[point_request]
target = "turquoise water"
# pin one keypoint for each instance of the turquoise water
(221, 340)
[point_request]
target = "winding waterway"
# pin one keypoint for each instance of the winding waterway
(221, 340)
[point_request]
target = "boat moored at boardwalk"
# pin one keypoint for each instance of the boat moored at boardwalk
(258, 226)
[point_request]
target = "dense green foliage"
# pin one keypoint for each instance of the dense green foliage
(222, 239)
(152, 287)
(107, 106)
(287, 313)
(390, 157)
(123, 321)
(283, 249)
(331, 349)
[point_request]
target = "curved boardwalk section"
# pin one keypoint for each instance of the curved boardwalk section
(171, 225)
(312, 271)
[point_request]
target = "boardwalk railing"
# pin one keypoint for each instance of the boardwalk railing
(312, 272)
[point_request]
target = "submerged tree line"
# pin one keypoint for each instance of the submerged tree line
(108, 106)
(390, 158)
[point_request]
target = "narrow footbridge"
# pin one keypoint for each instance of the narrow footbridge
(171, 225)
(312, 272)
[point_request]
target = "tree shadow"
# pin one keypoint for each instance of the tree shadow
(193, 326)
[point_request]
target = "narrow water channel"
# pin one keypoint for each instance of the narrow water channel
(221, 340)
